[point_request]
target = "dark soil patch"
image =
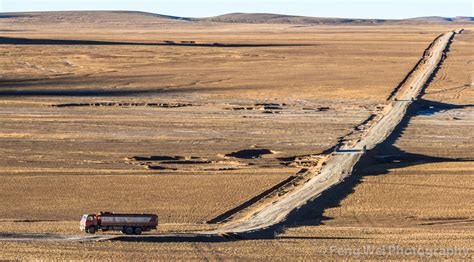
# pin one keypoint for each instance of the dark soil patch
(250, 153)
(122, 104)
(157, 158)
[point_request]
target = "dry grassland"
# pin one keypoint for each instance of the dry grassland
(153, 128)
(178, 199)
(233, 99)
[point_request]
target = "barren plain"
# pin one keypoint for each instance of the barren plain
(190, 119)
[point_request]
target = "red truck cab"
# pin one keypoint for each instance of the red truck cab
(88, 222)
(126, 223)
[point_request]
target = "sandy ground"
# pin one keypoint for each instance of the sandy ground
(74, 152)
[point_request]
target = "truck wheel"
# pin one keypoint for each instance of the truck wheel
(137, 231)
(128, 230)
(91, 230)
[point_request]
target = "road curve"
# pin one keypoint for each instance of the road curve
(340, 164)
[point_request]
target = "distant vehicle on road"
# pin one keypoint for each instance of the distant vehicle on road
(126, 223)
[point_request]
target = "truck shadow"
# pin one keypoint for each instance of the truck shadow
(172, 238)
(201, 238)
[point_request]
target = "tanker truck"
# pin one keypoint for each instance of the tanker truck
(126, 223)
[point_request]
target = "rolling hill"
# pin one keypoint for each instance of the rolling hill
(150, 19)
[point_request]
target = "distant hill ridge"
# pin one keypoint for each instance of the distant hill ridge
(90, 16)
(289, 19)
(245, 18)
(256, 18)
(442, 19)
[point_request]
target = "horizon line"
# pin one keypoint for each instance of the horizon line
(223, 14)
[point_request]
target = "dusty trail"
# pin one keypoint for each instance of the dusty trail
(338, 165)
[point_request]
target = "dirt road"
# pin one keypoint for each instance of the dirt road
(340, 164)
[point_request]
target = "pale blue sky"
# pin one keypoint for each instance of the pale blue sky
(199, 8)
